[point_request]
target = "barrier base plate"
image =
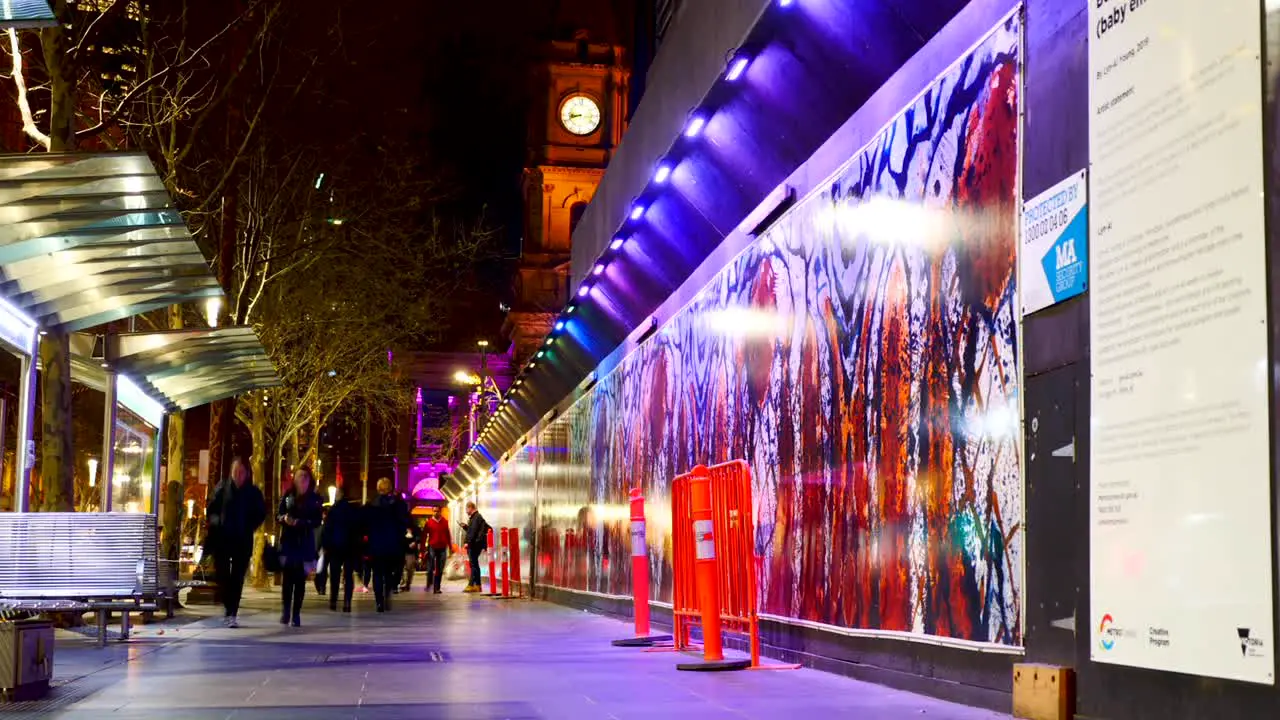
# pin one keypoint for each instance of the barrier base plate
(647, 641)
(718, 666)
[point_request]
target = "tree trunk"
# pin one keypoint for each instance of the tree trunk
(174, 489)
(56, 471)
(258, 464)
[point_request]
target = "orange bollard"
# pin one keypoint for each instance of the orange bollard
(706, 577)
(493, 568)
(640, 578)
(506, 562)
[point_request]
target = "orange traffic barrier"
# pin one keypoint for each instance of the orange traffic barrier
(640, 578)
(493, 567)
(713, 539)
(514, 546)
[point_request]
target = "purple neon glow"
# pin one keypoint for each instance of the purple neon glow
(599, 269)
(637, 212)
(695, 126)
(617, 243)
(785, 3)
(662, 173)
(582, 291)
(737, 68)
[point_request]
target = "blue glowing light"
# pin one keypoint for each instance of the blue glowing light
(662, 173)
(737, 68)
(695, 126)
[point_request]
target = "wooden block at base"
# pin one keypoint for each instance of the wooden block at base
(1043, 692)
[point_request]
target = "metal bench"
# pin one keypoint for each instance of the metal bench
(79, 562)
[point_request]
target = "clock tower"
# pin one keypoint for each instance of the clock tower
(577, 120)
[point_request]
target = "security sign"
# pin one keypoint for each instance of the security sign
(1055, 244)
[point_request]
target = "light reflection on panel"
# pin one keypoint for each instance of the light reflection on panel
(863, 358)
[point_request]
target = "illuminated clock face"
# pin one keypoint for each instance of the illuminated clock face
(580, 115)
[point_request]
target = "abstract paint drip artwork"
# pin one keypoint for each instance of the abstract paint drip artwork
(862, 356)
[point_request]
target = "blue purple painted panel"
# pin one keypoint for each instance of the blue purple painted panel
(863, 357)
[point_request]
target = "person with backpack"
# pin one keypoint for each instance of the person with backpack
(477, 541)
(342, 539)
(388, 520)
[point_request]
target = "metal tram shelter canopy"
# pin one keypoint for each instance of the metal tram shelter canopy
(86, 239)
(22, 14)
(189, 368)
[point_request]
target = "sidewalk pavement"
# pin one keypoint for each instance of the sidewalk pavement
(443, 657)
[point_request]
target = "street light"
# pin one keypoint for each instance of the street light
(466, 378)
(93, 472)
(333, 494)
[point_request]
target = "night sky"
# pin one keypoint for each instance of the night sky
(454, 81)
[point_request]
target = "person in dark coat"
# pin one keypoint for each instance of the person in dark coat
(300, 517)
(235, 512)
(387, 521)
(341, 540)
(477, 541)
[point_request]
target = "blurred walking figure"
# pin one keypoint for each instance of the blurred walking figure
(436, 535)
(300, 515)
(412, 542)
(477, 541)
(388, 519)
(235, 513)
(341, 539)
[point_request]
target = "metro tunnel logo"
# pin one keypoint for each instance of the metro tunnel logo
(1105, 638)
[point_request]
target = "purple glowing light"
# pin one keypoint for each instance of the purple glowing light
(695, 126)
(599, 269)
(661, 175)
(637, 212)
(785, 3)
(737, 68)
(582, 291)
(617, 243)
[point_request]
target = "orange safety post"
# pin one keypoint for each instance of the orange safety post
(493, 567)
(640, 578)
(506, 562)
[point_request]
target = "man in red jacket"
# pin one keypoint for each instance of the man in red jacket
(438, 541)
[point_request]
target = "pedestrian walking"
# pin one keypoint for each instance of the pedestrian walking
(235, 512)
(388, 519)
(477, 541)
(300, 517)
(341, 540)
(412, 545)
(438, 541)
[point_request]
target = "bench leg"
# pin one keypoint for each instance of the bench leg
(124, 625)
(102, 628)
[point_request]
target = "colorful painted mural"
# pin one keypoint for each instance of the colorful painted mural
(863, 357)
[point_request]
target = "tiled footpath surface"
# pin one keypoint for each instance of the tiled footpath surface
(446, 657)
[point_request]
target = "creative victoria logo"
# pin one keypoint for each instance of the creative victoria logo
(1105, 635)
(1250, 646)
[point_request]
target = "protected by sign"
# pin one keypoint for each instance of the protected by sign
(1055, 244)
(705, 540)
(637, 539)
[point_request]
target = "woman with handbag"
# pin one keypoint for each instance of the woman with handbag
(300, 515)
